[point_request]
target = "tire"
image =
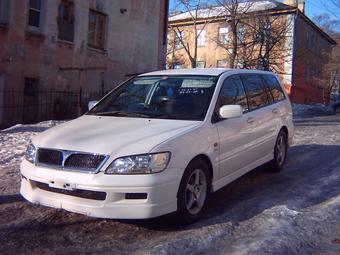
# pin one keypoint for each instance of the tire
(280, 152)
(193, 193)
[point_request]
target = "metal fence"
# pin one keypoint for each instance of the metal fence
(33, 106)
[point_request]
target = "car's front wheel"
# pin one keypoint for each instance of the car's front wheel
(193, 192)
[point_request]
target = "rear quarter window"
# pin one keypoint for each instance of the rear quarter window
(274, 87)
(255, 90)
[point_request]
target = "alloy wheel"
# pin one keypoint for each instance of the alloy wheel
(196, 191)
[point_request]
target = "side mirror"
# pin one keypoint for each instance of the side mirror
(230, 111)
(92, 104)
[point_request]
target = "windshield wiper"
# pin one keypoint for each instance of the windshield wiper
(122, 114)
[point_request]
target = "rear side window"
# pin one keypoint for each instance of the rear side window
(255, 90)
(274, 87)
(232, 92)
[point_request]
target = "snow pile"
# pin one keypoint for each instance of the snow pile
(301, 109)
(14, 141)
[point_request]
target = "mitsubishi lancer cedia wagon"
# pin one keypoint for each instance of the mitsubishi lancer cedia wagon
(160, 143)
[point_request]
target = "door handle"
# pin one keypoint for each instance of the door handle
(275, 110)
(250, 120)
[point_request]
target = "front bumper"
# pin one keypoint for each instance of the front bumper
(160, 189)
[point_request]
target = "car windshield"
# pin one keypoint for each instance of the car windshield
(163, 97)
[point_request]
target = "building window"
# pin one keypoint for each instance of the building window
(34, 14)
(200, 64)
(264, 33)
(200, 37)
(4, 11)
(65, 21)
(308, 72)
(319, 72)
(309, 40)
(223, 35)
(97, 29)
(179, 36)
(222, 63)
(240, 63)
(177, 66)
(263, 64)
(240, 33)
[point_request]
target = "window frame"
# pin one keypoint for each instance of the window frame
(268, 88)
(200, 61)
(269, 96)
(225, 60)
(200, 35)
(215, 118)
(95, 45)
(5, 16)
(178, 40)
(180, 65)
(35, 10)
(226, 34)
(70, 19)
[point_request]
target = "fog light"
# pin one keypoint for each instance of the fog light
(136, 195)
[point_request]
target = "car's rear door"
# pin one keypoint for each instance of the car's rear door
(261, 121)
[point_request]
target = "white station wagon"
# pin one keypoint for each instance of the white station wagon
(160, 143)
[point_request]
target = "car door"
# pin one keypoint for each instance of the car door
(261, 122)
(233, 133)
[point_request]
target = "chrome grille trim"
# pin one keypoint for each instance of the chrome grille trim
(68, 153)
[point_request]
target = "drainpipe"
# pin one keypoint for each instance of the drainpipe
(293, 51)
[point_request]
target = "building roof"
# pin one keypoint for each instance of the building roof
(217, 11)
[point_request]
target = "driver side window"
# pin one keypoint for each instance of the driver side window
(232, 92)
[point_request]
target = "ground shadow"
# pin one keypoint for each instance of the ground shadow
(6, 199)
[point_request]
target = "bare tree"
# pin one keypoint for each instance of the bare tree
(269, 47)
(234, 12)
(181, 36)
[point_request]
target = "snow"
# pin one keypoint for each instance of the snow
(296, 211)
(14, 141)
(220, 10)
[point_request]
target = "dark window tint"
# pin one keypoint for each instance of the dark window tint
(4, 11)
(256, 91)
(34, 13)
(232, 92)
(274, 87)
(97, 29)
(66, 21)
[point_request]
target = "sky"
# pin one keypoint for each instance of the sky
(312, 8)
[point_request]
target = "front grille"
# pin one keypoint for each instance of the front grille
(84, 161)
(50, 157)
(70, 160)
(87, 194)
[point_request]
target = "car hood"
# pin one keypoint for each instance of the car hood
(115, 136)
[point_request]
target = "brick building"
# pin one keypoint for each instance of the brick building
(298, 57)
(52, 52)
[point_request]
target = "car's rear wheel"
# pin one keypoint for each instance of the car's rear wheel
(280, 152)
(193, 192)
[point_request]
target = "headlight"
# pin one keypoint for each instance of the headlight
(30, 153)
(139, 164)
